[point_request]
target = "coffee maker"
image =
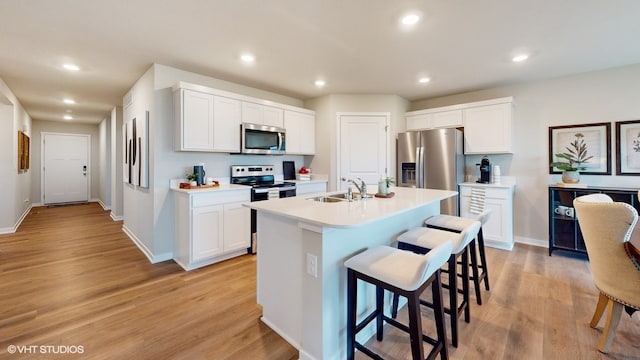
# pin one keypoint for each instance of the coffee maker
(485, 171)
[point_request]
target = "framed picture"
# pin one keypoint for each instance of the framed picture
(135, 133)
(590, 143)
(628, 147)
(23, 151)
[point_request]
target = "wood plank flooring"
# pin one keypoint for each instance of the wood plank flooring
(70, 277)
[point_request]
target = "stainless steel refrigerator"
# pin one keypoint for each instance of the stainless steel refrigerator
(432, 159)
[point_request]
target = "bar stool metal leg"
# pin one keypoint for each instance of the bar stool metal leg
(484, 275)
(352, 301)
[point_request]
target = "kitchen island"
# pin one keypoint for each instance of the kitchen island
(302, 248)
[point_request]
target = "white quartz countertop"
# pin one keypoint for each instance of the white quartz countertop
(351, 214)
(222, 187)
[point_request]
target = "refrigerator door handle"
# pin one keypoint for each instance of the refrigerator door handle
(417, 168)
(420, 180)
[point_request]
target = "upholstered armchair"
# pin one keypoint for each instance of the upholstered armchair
(607, 227)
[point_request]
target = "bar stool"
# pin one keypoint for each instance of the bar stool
(404, 273)
(479, 270)
(422, 240)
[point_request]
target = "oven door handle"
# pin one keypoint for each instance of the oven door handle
(266, 190)
(263, 190)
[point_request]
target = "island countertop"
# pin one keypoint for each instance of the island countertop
(344, 214)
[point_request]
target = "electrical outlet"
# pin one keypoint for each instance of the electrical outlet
(312, 265)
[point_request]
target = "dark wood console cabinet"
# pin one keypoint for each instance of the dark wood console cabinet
(564, 231)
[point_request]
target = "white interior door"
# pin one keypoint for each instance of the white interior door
(363, 148)
(65, 171)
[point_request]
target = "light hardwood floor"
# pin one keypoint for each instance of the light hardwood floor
(70, 277)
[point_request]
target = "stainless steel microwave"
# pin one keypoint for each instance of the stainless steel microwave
(262, 139)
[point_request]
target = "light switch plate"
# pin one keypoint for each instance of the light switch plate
(312, 265)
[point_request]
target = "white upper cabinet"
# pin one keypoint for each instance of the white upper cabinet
(488, 125)
(251, 113)
(428, 119)
(226, 124)
(419, 121)
(262, 114)
(209, 120)
(447, 119)
(488, 129)
(206, 122)
(300, 132)
(194, 111)
(273, 116)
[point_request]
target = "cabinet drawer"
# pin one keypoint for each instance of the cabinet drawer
(214, 198)
(492, 193)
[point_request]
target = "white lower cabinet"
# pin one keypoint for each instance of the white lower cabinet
(211, 227)
(498, 231)
(237, 227)
(207, 222)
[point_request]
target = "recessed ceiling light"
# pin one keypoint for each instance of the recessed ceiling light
(520, 58)
(247, 58)
(320, 83)
(68, 117)
(410, 19)
(71, 67)
(424, 80)
(68, 101)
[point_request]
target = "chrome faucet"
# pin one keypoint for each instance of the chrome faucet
(362, 188)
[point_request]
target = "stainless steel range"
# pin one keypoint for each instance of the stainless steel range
(261, 178)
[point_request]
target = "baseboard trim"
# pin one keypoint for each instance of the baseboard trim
(104, 207)
(498, 244)
(11, 230)
(115, 217)
(152, 258)
(532, 242)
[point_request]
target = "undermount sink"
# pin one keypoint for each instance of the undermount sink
(332, 198)
(356, 196)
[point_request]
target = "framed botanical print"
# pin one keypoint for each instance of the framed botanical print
(587, 145)
(628, 147)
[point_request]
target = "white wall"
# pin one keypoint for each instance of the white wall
(40, 126)
(15, 196)
(138, 202)
(104, 163)
(327, 107)
(116, 163)
(602, 96)
(148, 213)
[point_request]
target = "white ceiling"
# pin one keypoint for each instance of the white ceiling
(357, 46)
